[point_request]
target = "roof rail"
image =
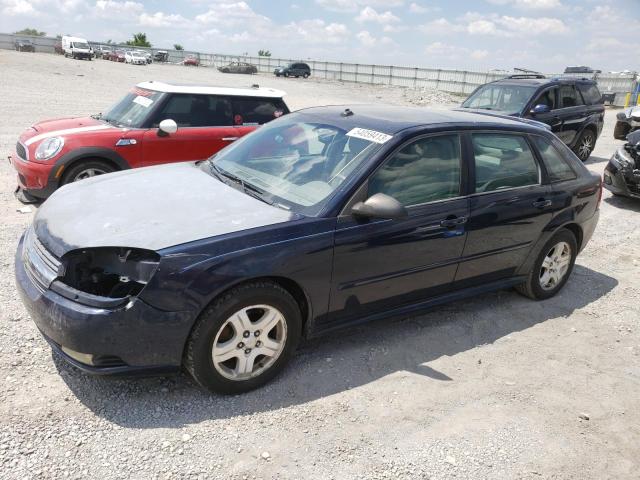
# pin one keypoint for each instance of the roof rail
(527, 75)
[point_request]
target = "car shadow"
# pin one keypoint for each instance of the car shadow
(625, 203)
(333, 364)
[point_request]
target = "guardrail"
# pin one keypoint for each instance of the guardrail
(461, 82)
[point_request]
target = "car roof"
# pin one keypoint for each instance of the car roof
(211, 90)
(391, 119)
(535, 82)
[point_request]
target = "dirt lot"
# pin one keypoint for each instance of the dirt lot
(491, 387)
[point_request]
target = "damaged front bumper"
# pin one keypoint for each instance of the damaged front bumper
(620, 178)
(129, 338)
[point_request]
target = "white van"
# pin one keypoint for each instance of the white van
(76, 47)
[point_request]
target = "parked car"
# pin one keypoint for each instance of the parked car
(154, 123)
(191, 60)
(622, 173)
(161, 56)
(239, 67)
(103, 51)
(324, 218)
(147, 55)
(294, 70)
(76, 47)
(627, 121)
(572, 107)
(117, 56)
(24, 45)
(135, 58)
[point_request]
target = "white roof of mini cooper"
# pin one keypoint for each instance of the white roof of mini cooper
(208, 90)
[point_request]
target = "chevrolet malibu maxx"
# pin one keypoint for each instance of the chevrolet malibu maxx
(321, 219)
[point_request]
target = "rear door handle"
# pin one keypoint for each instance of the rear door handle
(229, 139)
(542, 203)
(453, 222)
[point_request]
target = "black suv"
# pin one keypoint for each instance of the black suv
(572, 107)
(294, 70)
(23, 45)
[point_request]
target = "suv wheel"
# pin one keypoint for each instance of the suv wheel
(305, 75)
(552, 268)
(585, 145)
(86, 169)
(244, 339)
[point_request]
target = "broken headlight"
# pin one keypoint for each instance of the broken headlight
(110, 272)
(622, 158)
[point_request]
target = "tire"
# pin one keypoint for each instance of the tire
(258, 301)
(286, 75)
(535, 287)
(585, 144)
(306, 75)
(86, 169)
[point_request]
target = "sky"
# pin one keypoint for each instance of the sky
(543, 35)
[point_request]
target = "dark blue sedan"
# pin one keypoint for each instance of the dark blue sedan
(324, 218)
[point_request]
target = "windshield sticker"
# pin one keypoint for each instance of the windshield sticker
(145, 102)
(371, 135)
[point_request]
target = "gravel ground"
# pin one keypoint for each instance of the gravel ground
(497, 387)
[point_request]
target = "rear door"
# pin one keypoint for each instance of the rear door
(508, 209)
(572, 112)
(205, 126)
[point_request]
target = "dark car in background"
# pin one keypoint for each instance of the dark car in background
(627, 121)
(239, 67)
(24, 45)
(324, 218)
(297, 69)
(572, 107)
(622, 173)
(102, 51)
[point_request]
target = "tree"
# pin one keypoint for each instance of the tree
(31, 31)
(139, 40)
(177, 46)
(264, 53)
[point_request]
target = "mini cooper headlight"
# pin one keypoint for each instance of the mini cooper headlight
(49, 148)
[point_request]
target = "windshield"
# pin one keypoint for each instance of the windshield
(81, 45)
(504, 98)
(292, 163)
(133, 109)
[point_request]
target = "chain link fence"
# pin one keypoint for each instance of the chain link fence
(460, 82)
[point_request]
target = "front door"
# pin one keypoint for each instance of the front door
(508, 211)
(205, 126)
(552, 118)
(382, 264)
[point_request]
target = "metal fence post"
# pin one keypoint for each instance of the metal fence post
(415, 79)
(464, 80)
(356, 76)
(391, 75)
(340, 75)
(438, 79)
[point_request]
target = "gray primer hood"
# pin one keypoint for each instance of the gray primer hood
(151, 208)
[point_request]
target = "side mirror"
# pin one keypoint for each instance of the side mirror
(167, 127)
(540, 108)
(379, 205)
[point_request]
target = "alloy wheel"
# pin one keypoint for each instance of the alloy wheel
(586, 146)
(249, 342)
(88, 173)
(555, 266)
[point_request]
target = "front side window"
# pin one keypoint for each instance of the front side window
(426, 170)
(256, 111)
(133, 109)
(189, 110)
(569, 96)
(501, 97)
(294, 161)
(548, 98)
(557, 167)
(503, 161)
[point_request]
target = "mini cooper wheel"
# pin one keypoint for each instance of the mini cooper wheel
(585, 145)
(86, 169)
(552, 268)
(244, 338)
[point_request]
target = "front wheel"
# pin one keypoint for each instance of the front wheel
(86, 169)
(306, 75)
(552, 268)
(585, 145)
(244, 339)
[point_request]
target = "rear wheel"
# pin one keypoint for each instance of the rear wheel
(244, 339)
(86, 169)
(305, 75)
(552, 268)
(585, 145)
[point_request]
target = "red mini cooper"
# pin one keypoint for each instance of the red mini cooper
(154, 123)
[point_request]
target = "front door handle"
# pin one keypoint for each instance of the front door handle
(542, 203)
(452, 222)
(230, 139)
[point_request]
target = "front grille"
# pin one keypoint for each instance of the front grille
(41, 265)
(21, 151)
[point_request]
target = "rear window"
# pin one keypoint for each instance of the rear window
(590, 93)
(256, 111)
(557, 167)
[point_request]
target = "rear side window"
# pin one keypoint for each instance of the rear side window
(590, 93)
(557, 167)
(569, 96)
(196, 111)
(256, 111)
(503, 161)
